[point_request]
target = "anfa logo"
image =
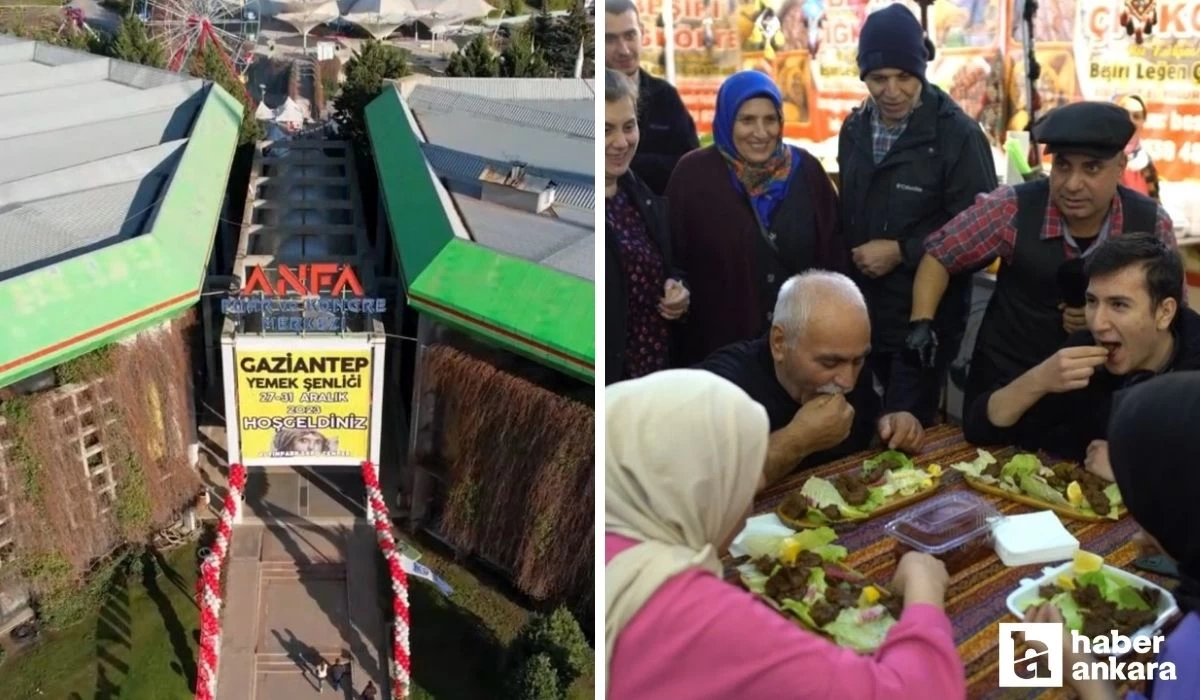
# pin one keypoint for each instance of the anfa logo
(1040, 663)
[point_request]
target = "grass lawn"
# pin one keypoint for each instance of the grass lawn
(458, 643)
(140, 644)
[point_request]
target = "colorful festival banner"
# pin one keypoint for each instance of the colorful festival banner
(810, 46)
(304, 405)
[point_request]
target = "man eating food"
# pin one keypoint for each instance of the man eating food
(1137, 328)
(807, 373)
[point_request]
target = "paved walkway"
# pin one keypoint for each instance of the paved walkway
(297, 592)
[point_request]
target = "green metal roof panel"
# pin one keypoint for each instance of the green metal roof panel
(419, 227)
(544, 314)
(64, 310)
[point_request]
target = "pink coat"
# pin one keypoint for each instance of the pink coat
(702, 639)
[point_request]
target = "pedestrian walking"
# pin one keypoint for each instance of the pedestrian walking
(322, 674)
(370, 692)
(339, 669)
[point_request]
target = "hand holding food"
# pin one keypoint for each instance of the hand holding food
(1070, 369)
(824, 422)
(921, 578)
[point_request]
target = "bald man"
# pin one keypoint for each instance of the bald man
(807, 373)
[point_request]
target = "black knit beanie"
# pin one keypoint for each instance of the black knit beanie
(892, 38)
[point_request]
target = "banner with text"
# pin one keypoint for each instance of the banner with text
(302, 405)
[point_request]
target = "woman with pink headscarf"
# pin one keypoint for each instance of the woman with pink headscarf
(684, 455)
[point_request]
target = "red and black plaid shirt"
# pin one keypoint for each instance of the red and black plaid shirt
(987, 230)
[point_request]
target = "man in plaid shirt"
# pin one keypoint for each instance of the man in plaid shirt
(1041, 231)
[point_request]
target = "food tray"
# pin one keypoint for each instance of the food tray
(1065, 511)
(883, 510)
(1167, 607)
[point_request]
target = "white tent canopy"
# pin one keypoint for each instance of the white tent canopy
(304, 15)
(289, 113)
(382, 17)
(263, 112)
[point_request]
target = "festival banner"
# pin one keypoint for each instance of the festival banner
(810, 48)
(304, 405)
(1164, 70)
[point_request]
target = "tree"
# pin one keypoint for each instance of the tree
(366, 72)
(559, 38)
(133, 44)
(538, 681)
(208, 63)
(475, 60)
(521, 60)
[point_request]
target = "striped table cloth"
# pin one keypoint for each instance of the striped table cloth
(975, 600)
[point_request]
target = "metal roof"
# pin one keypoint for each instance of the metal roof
(535, 89)
(521, 280)
(107, 203)
(466, 167)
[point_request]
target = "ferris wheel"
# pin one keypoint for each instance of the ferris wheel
(185, 26)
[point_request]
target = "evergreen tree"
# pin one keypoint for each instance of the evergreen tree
(207, 63)
(521, 60)
(366, 72)
(133, 44)
(475, 60)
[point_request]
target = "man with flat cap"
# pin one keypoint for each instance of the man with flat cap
(1042, 231)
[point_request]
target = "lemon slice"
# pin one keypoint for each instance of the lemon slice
(1066, 582)
(1087, 562)
(1075, 494)
(789, 549)
(935, 470)
(870, 596)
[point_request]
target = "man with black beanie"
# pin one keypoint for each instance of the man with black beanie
(909, 160)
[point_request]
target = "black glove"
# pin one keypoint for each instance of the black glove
(922, 341)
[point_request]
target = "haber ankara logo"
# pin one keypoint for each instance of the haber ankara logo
(1031, 655)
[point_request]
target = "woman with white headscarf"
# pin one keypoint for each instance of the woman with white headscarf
(684, 455)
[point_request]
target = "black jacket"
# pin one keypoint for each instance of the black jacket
(1064, 424)
(934, 171)
(667, 131)
(616, 312)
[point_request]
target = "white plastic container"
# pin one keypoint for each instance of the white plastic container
(1033, 538)
(1028, 592)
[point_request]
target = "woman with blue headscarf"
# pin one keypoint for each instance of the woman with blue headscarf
(746, 214)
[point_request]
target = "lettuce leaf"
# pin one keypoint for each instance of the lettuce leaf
(905, 481)
(861, 630)
(1072, 615)
(876, 462)
(814, 538)
(754, 580)
(975, 469)
(1037, 487)
(1114, 590)
(800, 610)
(832, 552)
(760, 545)
(822, 493)
(1020, 465)
(1114, 496)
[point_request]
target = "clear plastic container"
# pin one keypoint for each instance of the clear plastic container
(954, 527)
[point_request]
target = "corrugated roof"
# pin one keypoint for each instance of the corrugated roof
(450, 163)
(96, 169)
(536, 89)
(430, 99)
